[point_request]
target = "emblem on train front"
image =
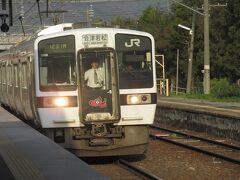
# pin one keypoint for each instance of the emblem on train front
(133, 42)
(98, 102)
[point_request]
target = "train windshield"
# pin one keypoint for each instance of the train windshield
(135, 61)
(57, 64)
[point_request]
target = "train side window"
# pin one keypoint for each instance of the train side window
(2, 69)
(24, 75)
(29, 70)
(4, 74)
(7, 81)
(0, 73)
(9, 74)
(12, 75)
(16, 75)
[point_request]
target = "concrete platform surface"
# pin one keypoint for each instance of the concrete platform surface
(27, 154)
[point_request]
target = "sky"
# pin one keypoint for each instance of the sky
(76, 11)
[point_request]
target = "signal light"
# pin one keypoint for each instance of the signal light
(4, 26)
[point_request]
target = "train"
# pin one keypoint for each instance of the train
(44, 79)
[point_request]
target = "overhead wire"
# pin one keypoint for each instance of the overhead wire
(27, 15)
(16, 18)
(26, 12)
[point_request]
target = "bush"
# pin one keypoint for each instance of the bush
(222, 88)
(236, 90)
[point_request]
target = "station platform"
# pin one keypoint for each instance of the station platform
(216, 118)
(25, 154)
(215, 108)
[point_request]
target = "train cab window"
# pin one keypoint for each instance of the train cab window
(135, 61)
(96, 69)
(57, 64)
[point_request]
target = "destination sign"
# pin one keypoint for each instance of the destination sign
(94, 39)
(57, 46)
(63, 44)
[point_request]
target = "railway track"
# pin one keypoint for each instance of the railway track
(136, 170)
(210, 147)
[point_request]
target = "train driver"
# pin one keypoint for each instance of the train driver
(94, 76)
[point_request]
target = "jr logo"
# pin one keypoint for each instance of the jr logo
(133, 42)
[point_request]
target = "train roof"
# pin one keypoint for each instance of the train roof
(67, 28)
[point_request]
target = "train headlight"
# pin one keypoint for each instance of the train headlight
(139, 99)
(134, 99)
(55, 102)
(51, 102)
(60, 102)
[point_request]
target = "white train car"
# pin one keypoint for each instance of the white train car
(45, 81)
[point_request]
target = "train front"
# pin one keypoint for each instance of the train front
(95, 90)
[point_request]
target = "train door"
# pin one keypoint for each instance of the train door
(98, 86)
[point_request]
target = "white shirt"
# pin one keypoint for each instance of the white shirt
(89, 77)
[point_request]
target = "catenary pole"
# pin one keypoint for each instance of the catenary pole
(206, 79)
(190, 60)
(177, 72)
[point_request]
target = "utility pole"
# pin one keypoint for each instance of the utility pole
(177, 72)
(190, 60)
(206, 79)
(205, 14)
(162, 64)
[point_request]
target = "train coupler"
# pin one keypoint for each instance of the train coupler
(99, 130)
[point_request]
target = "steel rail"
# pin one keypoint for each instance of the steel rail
(226, 158)
(197, 137)
(137, 170)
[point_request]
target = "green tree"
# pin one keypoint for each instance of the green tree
(160, 25)
(224, 38)
(122, 22)
(231, 33)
